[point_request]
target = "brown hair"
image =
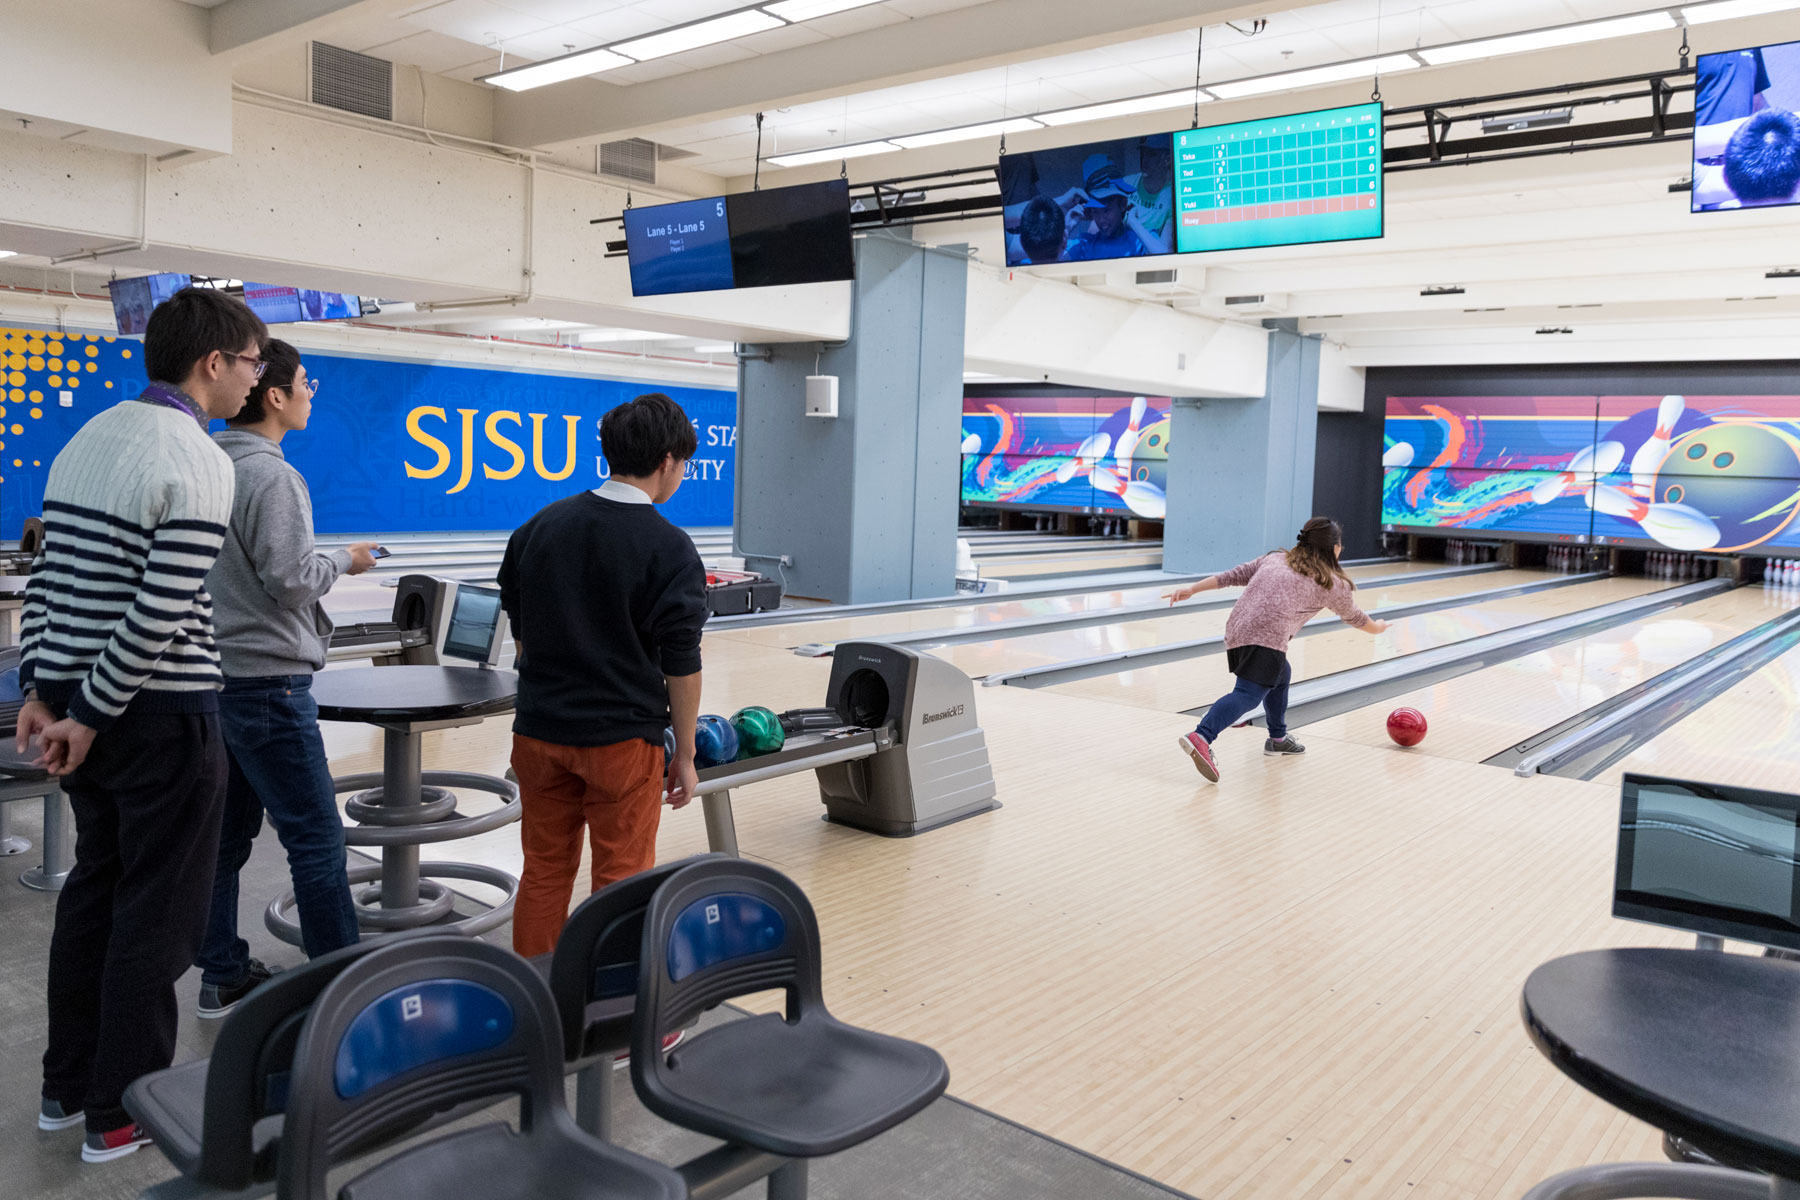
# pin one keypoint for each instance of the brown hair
(1314, 553)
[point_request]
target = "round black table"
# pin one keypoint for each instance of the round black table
(1701, 1044)
(404, 806)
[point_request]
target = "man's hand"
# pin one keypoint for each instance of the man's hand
(65, 745)
(360, 558)
(683, 780)
(34, 718)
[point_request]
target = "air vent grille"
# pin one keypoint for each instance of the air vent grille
(352, 82)
(633, 158)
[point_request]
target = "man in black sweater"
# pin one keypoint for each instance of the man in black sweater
(607, 600)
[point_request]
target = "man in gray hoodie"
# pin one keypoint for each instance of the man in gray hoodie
(272, 633)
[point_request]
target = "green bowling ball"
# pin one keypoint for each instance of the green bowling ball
(759, 731)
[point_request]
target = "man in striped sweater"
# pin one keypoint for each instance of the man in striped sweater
(122, 684)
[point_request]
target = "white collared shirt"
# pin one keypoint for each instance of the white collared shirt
(624, 493)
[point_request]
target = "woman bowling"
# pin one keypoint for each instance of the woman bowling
(1283, 590)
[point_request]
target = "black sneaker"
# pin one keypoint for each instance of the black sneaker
(1286, 745)
(53, 1115)
(216, 1001)
(115, 1143)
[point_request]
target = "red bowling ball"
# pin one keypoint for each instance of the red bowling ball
(1406, 726)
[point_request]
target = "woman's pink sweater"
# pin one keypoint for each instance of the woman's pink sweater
(1276, 602)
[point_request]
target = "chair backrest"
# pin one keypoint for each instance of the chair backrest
(248, 1073)
(720, 928)
(413, 1029)
(596, 962)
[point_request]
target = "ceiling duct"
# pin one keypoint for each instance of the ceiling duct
(1269, 304)
(353, 82)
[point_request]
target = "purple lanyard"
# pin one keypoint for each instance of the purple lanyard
(168, 397)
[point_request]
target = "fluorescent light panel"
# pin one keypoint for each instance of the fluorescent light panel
(963, 133)
(1125, 108)
(1725, 10)
(8, 253)
(700, 33)
(715, 348)
(1362, 68)
(556, 70)
(1544, 39)
(803, 158)
(806, 10)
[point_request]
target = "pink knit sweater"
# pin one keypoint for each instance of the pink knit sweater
(1277, 602)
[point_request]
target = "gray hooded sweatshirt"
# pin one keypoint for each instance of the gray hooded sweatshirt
(268, 580)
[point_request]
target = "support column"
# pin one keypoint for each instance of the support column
(1241, 471)
(864, 504)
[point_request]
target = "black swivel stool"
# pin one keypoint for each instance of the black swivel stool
(405, 806)
(1701, 1045)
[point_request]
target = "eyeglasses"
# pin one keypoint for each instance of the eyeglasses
(311, 385)
(257, 365)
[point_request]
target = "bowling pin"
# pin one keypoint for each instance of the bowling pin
(1648, 459)
(1400, 454)
(1129, 439)
(972, 444)
(1674, 525)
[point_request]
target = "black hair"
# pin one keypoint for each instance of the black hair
(1041, 228)
(1314, 553)
(192, 324)
(639, 434)
(1762, 159)
(284, 364)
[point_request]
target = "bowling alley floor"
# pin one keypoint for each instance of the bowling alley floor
(1300, 982)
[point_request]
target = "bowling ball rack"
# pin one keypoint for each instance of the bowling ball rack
(803, 752)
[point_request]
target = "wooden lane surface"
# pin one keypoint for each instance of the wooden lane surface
(1749, 736)
(1001, 609)
(1482, 713)
(1063, 564)
(1301, 982)
(977, 659)
(1198, 681)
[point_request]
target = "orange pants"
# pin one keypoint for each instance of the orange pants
(614, 792)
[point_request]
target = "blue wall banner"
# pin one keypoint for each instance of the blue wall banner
(392, 447)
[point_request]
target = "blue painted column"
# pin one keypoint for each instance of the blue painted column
(865, 503)
(1241, 471)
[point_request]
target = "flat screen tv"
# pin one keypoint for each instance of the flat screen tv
(1746, 131)
(134, 299)
(280, 305)
(1061, 451)
(791, 235)
(682, 247)
(1085, 203)
(1280, 181)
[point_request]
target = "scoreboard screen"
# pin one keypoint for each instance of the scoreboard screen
(1280, 181)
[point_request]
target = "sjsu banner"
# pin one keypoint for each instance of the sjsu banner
(392, 447)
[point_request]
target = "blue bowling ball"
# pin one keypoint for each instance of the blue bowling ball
(715, 741)
(668, 746)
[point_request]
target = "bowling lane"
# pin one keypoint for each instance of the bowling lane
(1029, 567)
(1750, 736)
(1482, 713)
(1182, 685)
(1012, 654)
(879, 625)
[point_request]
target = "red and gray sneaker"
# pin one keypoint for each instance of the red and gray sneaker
(52, 1115)
(114, 1143)
(1198, 750)
(670, 1041)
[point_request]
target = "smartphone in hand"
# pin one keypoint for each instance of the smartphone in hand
(379, 552)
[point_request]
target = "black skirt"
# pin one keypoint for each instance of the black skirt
(1256, 664)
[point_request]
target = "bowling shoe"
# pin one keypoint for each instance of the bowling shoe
(1286, 745)
(1198, 750)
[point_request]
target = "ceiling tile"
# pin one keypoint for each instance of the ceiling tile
(477, 21)
(679, 12)
(787, 37)
(710, 56)
(559, 12)
(619, 24)
(435, 52)
(857, 20)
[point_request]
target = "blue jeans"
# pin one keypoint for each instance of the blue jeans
(277, 764)
(1226, 711)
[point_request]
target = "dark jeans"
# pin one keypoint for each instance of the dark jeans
(147, 802)
(278, 766)
(1246, 696)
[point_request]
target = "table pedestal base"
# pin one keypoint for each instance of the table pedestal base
(1677, 1181)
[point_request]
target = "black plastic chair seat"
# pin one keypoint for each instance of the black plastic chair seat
(171, 1104)
(799, 1090)
(494, 1163)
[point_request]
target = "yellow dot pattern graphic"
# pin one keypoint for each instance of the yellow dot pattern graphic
(40, 380)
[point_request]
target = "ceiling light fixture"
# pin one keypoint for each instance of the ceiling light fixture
(701, 33)
(715, 347)
(8, 253)
(1362, 68)
(804, 158)
(1125, 108)
(963, 133)
(556, 70)
(806, 10)
(1545, 39)
(1725, 10)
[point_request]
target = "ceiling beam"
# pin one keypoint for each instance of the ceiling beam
(240, 25)
(966, 39)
